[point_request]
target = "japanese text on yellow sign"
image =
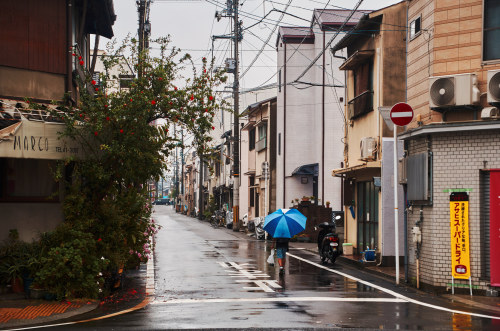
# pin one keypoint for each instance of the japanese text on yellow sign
(459, 223)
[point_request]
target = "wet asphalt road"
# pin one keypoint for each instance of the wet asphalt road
(218, 279)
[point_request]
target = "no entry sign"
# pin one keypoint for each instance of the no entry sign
(401, 114)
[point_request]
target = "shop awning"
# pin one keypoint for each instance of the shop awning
(359, 167)
(306, 170)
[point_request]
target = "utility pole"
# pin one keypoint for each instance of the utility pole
(232, 11)
(236, 125)
(144, 29)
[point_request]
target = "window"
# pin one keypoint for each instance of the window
(252, 191)
(491, 32)
(415, 27)
(362, 103)
(28, 180)
(279, 81)
(262, 142)
(251, 140)
(262, 132)
(279, 143)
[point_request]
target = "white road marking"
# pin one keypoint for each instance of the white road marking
(280, 299)
(397, 295)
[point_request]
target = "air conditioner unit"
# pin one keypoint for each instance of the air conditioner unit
(368, 147)
(453, 91)
(494, 87)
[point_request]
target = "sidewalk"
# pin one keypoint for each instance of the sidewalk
(18, 311)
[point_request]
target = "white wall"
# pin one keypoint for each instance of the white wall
(304, 123)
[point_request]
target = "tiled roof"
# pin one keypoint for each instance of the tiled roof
(295, 32)
(338, 16)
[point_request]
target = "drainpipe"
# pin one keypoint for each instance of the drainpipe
(404, 186)
(69, 43)
(418, 243)
(284, 126)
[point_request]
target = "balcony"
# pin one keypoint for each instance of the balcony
(360, 105)
(261, 144)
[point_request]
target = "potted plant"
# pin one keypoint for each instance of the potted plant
(327, 204)
(304, 198)
(15, 272)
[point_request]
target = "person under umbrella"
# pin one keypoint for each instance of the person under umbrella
(281, 245)
(282, 225)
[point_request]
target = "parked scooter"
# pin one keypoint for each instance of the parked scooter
(328, 241)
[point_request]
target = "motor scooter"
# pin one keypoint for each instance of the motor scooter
(328, 241)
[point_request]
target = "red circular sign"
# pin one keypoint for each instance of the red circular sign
(401, 114)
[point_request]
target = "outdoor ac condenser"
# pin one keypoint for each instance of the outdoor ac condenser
(453, 91)
(368, 147)
(494, 87)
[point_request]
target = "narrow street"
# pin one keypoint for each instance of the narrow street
(219, 279)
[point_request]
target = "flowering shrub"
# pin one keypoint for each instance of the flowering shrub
(106, 206)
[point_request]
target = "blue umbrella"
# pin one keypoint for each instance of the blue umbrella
(285, 223)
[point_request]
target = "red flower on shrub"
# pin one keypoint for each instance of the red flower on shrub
(93, 82)
(107, 118)
(121, 130)
(99, 239)
(96, 133)
(153, 102)
(81, 63)
(210, 98)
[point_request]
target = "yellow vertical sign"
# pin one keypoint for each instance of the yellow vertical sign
(459, 230)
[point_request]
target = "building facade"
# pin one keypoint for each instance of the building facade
(452, 143)
(260, 129)
(309, 110)
(376, 58)
(46, 44)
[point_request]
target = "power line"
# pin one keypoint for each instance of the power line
(267, 41)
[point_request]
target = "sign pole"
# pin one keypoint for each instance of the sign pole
(396, 211)
(401, 115)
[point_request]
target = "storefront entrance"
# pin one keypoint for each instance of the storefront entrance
(367, 215)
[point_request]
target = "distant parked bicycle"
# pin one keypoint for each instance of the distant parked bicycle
(218, 219)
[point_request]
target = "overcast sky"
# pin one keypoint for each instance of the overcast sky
(191, 23)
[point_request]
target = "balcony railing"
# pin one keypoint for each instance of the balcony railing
(261, 144)
(359, 105)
